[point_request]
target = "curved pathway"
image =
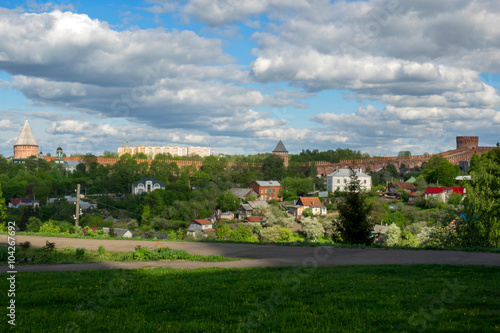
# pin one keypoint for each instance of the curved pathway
(252, 255)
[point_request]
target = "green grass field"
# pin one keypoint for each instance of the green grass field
(417, 298)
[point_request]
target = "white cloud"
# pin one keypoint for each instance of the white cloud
(6, 124)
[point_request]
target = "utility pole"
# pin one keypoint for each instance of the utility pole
(77, 215)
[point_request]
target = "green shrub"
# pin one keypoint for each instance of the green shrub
(80, 252)
(101, 249)
(408, 239)
(49, 227)
(33, 224)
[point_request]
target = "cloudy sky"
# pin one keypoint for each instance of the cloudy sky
(378, 76)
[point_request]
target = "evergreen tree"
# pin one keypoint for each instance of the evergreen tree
(354, 212)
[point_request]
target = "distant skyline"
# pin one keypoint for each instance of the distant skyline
(379, 76)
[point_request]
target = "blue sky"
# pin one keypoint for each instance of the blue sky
(378, 76)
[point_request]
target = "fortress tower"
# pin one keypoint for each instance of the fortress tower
(281, 151)
(471, 142)
(25, 145)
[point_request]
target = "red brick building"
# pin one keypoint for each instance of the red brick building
(266, 189)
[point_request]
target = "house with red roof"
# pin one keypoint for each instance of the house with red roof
(200, 226)
(314, 205)
(443, 193)
(252, 219)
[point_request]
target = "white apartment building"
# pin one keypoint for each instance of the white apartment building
(339, 180)
(151, 152)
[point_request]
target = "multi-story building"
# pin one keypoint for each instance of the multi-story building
(267, 190)
(339, 180)
(151, 152)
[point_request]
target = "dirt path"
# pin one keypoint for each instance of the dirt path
(257, 255)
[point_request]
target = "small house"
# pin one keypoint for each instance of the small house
(200, 226)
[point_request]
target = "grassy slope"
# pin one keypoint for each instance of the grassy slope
(325, 299)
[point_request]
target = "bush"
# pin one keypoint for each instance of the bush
(92, 221)
(312, 228)
(80, 252)
(93, 233)
(101, 249)
(49, 247)
(33, 224)
(455, 199)
(408, 239)
(270, 234)
(392, 235)
(242, 234)
(286, 235)
(25, 246)
(49, 227)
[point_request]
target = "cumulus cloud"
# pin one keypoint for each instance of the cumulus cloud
(6, 124)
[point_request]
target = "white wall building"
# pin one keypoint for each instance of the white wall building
(151, 152)
(339, 180)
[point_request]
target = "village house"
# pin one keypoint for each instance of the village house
(312, 203)
(395, 187)
(443, 193)
(251, 208)
(339, 180)
(253, 220)
(244, 193)
(18, 202)
(200, 226)
(119, 232)
(266, 189)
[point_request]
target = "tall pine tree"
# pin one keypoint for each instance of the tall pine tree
(354, 212)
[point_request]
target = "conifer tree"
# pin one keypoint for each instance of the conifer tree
(354, 212)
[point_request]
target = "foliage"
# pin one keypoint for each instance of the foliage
(312, 228)
(354, 214)
(481, 226)
(222, 230)
(93, 233)
(80, 252)
(91, 220)
(275, 216)
(441, 171)
(49, 247)
(49, 227)
(242, 234)
(33, 224)
(275, 233)
(455, 199)
(392, 235)
(228, 201)
(273, 168)
(408, 239)
(101, 249)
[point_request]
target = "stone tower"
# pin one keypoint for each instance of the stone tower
(25, 145)
(470, 142)
(281, 151)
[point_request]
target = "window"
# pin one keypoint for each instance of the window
(274, 190)
(345, 181)
(364, 181)
(265, 191)
(338, 181)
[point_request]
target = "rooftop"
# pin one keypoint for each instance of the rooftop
(280, 148)
(26, 138)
